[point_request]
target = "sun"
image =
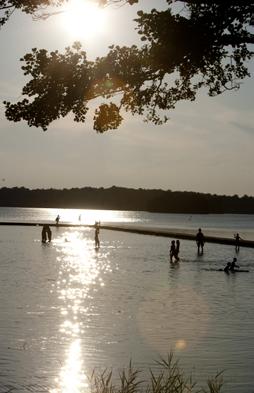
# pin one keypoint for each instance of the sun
(84, 19)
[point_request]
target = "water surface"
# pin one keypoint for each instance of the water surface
(67, 309)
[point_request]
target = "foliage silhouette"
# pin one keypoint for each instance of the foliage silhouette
(32, 7)
(204, 45)
(167, 377)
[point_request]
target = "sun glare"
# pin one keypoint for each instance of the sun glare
(84, 19)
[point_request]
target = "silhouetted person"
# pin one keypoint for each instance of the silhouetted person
(227, 267)
(237, 242)
(46, 233)
(177, 250)
(57, 219)
(49, 233)
(79, 218)
(233, 265)
(172, 250)
(96, 235)
(200, 240)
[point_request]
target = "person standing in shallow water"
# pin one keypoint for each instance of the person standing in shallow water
(200, 240)
(57, 219)
(46, 233)
(96, 235)
(177, 250)
(174, 251)
(237, 242)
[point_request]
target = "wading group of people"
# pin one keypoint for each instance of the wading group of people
(175, 247)
(46, 236)
(46, 233)
(200, 241)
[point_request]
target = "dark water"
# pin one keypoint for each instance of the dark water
(67, 309)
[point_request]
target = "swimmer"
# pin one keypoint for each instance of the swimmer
(227, 267)
(233, 265)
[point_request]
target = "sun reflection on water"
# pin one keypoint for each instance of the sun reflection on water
(72, 378)
(80, 275)
(89, 216)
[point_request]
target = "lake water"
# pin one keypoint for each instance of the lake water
(67, 309)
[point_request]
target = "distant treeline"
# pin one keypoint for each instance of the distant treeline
(120, 198)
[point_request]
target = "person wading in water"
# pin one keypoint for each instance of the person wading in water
(200, 240)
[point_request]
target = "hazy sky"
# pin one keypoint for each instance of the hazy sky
(206, 146)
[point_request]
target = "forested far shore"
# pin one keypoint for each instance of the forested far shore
(121, 198)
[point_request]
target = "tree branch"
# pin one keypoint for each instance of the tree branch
(234, 39)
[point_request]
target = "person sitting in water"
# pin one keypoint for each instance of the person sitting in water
(233, 265)
(227, 267)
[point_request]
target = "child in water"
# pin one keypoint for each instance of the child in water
(233, 265)
(230, 266)
(227, 267)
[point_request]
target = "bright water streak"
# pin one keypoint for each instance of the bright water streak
(214, 224)
(67, 308)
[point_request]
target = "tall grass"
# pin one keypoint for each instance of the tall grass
(168, 378)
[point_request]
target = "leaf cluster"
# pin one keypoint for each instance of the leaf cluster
(205, 45)
(8, 7)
